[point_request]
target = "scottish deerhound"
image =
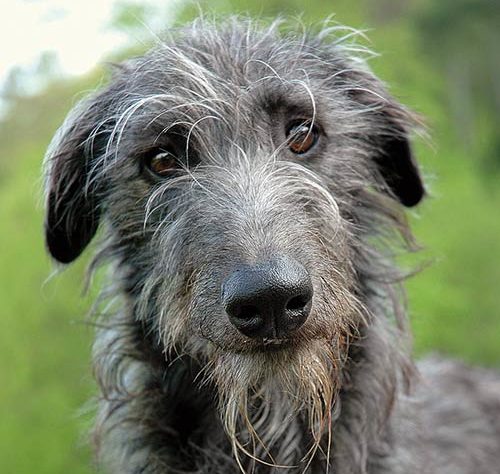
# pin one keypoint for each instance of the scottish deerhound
(251, 184)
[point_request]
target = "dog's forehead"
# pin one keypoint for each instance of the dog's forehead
(233, 85)
(228, 67)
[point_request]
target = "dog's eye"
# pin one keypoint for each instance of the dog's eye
(302, 135)
(161, 162)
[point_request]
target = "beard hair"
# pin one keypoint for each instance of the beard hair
(266, 398)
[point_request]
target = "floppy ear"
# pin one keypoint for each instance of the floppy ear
(389, 138)
(72, 197)
(396, 163)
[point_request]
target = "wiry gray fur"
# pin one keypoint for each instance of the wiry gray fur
(181, 389)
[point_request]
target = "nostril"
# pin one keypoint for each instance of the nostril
(246, 312)
(247, 318)
(298, 302)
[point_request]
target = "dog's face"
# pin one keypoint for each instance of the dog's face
(239, 174)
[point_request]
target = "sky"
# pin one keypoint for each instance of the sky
(77, 31)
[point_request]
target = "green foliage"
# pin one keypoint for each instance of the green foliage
(44, 341)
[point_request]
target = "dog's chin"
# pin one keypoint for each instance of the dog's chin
(261, 391)
(277, 363)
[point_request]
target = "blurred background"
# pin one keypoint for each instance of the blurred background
(440, 58)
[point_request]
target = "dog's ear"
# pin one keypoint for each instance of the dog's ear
(389, 139)
(395, 160)
(72, 195)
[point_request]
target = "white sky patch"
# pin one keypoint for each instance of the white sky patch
(77, 31)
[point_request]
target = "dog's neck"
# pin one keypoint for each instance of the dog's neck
(376, 376)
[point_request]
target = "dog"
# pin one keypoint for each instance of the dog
(250, 182)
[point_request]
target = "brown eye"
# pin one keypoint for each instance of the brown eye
(302, 135)
(161, 162)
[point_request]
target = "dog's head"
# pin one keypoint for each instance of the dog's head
(243, 176)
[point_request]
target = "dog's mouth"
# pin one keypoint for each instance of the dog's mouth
(271, 344)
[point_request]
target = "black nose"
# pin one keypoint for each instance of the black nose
(268, 300)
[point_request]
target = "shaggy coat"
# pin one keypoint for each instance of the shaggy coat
(190, 162)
